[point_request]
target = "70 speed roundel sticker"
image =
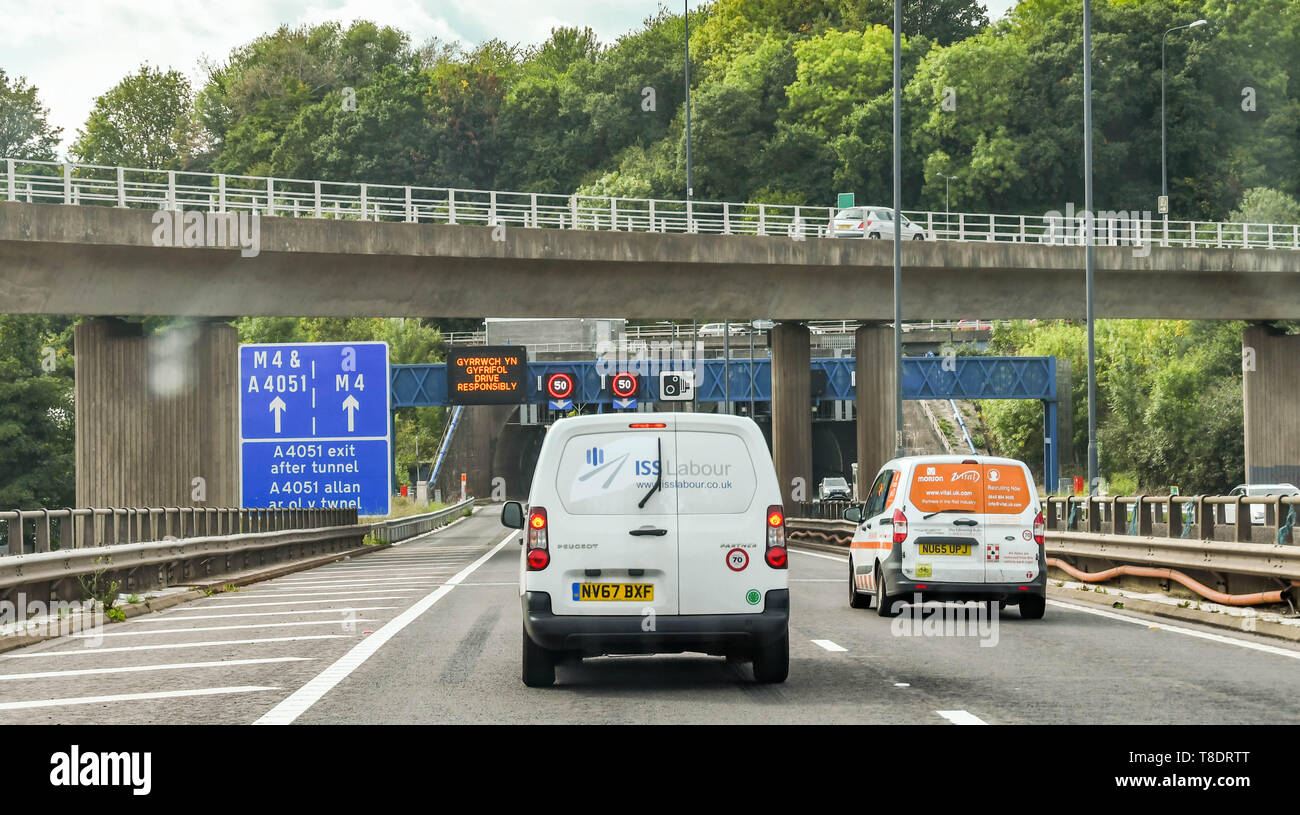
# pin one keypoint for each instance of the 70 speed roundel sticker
(737, 560)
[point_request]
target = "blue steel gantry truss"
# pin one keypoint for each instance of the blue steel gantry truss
(834, 378)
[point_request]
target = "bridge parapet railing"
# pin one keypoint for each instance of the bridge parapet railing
(101, 185)
(1202, 517)
(47, 530)
(400, 529)
(1198, 517)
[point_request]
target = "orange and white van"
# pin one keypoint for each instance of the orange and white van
(949, 528)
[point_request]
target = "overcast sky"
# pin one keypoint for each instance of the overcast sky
(74, 51)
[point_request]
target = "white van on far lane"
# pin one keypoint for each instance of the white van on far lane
(949, 528)
(653, 533)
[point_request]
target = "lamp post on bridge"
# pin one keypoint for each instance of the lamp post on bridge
(947, 216)
(1164, 176)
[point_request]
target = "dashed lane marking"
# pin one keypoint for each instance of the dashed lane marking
(132, 697)
(171, 666)
(73, 652)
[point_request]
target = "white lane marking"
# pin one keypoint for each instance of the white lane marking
(345, 582)
(99, 634)
(188, 617)
(816, 580)
(829, 646)
(820, 555)
(339, 578)
(902, 684)
(405, 584)
(515, 584)
(263, 594)
(241, 604)
(73, 652)
(960, 717)
(171, 666)
(297, 703)
(132, 697)
(1254, 646)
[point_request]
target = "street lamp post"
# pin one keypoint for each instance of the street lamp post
(1164, 177)
(1089, 259)
(898, 231)
(686, 19)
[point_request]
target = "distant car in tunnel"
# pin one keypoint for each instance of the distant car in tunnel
(834, 489)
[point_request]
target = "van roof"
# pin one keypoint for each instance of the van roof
(617, 421)
(952, 459)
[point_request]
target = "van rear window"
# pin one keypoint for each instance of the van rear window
(1005, 489)
(712, 474)
(936, 487)
(999, 489)
(609, 473)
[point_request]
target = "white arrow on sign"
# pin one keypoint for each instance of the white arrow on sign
(278, 405)
(350, 405)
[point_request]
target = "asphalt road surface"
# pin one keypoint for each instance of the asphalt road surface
(429, 632)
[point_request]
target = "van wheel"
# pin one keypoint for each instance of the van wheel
(856, 600)
(1033, 607)
(772, 661)
(539, 664)
(874, 236)
(884, 603)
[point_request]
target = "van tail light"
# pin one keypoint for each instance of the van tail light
(776, 555)
(900, 526)
(538, 552)
(1040, 527)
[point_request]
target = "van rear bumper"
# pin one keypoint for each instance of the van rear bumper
(719, 634)
(904, 589)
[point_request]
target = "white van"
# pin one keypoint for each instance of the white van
(653, 533)
(1256, 491)
(949, 528)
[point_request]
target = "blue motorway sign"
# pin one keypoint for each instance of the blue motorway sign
(314, 425)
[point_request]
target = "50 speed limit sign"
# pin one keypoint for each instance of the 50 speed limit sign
(559, 386)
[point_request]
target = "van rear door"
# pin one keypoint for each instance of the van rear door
(946, 537)
(722, 537)
(614, 545)
(1010, 504)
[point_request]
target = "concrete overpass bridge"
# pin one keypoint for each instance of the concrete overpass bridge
(99, 240)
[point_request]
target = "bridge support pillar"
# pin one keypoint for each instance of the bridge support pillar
(792, 413)
(875, 377)
(1271, 400)
(153, 414)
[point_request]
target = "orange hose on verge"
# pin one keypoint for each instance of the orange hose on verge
(1258, 598)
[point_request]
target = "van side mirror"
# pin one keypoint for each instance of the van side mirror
(853, 514)
(512, 515)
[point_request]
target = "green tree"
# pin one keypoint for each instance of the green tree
(1262, 205)
(36, 412)
(143, 121)
(25, 130)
